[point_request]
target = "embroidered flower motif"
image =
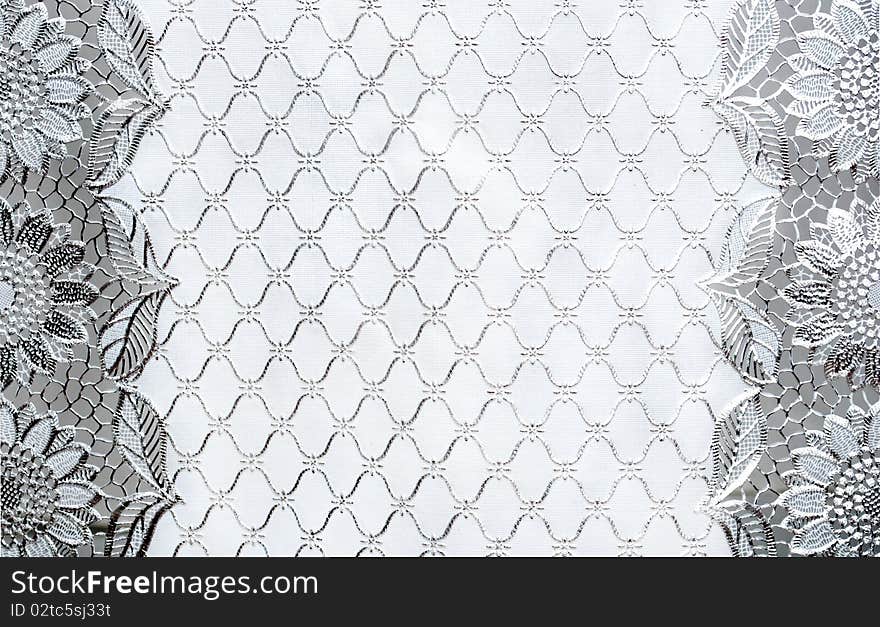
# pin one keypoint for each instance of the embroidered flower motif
(841, 307)
(47, 493)
(41, 90)
(834, 498)
(43, 294)
(837, 84)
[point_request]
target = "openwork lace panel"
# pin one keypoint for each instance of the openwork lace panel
(440, 277)
(83, 450)
(797, 284)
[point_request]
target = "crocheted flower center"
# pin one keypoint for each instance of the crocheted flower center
(859, 84)
(855, 503)
(29, 498)
(25, 294)
(22, 89)
(857, 295)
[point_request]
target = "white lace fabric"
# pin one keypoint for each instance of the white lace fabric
(438, 274)
(385, 277)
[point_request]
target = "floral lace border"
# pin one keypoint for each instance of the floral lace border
(796, 463)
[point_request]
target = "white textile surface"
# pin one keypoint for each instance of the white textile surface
(439, 269)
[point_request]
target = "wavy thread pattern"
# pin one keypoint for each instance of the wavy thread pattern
(460, 318)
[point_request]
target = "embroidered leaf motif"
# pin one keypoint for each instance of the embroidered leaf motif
(128, 340)
(760, 137)
(820, 47)
(127, 43)
(749, 340)
(132, 524)
(115, 139)
(739, 440)
(749, 40)
(748, 532)
(139, 433)
(131, 251)
(747, 245)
